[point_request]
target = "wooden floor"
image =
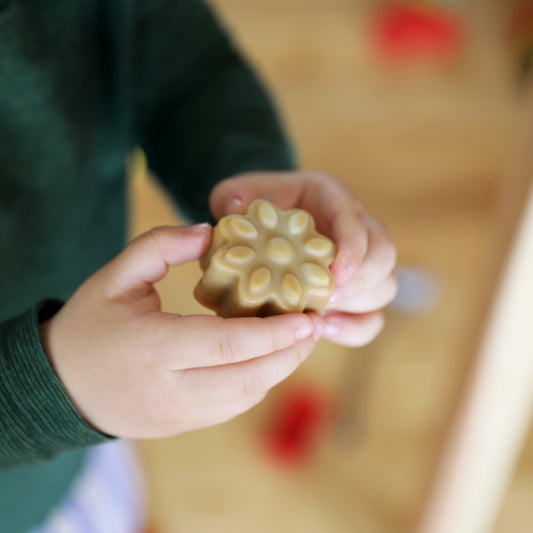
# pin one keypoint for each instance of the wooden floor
(425, 148)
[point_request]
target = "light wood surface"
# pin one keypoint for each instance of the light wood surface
(425, 148)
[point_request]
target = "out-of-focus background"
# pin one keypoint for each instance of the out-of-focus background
(417, 106)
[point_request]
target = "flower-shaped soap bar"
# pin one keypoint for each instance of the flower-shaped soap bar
(266, 262)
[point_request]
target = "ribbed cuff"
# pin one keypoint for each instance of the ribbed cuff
(37, 418)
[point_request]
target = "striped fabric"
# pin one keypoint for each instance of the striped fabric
(107, 497)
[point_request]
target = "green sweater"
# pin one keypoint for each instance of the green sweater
(81, 84)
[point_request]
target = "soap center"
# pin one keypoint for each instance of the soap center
(280, 250)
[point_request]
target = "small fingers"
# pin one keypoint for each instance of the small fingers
(353, 330)
(380, 259)
(210, 414)
(207, 341)
(246, 380)
(350, 234)
(338, 214)
(234, 195)
(370, 300)
(376, 270)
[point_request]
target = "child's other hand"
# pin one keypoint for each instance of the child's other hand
(365, 260)
(133, 371)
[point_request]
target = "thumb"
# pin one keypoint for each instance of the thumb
(234, 195)
(146, 259)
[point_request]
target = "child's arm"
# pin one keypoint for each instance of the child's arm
(203, 114)
(37, 419)
(131, 370)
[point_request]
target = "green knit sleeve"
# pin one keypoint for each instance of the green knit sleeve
(203, 113)
(37, 419)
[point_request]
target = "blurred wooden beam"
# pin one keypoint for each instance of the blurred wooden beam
(491, 423)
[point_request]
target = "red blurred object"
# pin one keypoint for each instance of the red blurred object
(300, 419)
(404, 32)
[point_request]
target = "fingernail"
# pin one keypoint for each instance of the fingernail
(348, 268)
(332, 329)
(304, 331)
(234, 205)
(199, 228)
(335, 297)
(319, 329)
(343, 270)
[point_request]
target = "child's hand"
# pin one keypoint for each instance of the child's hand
(134, 371)
(365, 260)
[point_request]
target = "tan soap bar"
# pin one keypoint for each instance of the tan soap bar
(266, 262)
